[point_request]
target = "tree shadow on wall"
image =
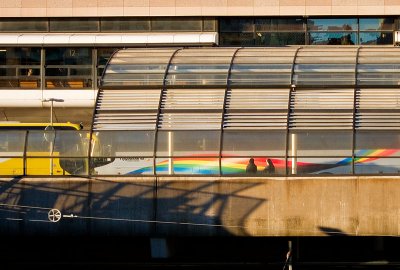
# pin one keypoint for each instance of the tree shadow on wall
(120, 207)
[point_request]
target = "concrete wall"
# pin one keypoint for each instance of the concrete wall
(197, 206)
(68, 8)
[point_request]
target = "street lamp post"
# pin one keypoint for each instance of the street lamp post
(52, 100)
(51, 138)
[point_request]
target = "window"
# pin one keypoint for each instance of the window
(23, 25)
(74, 25)
(124, 24)
(173, 24)
(68, 68)
(20, 68)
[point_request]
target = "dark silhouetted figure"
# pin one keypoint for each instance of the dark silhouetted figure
(269, 167)
(251, 167)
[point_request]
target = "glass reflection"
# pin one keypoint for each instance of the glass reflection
(324, 166)
(376, 38)
(295, 24)
(237, 39)
(124, 166)
(188, 165)
(333, 38)
(279, 39)
(236, 25)
(376, 24)
(336, 24)
(376, 165)
(264, 166)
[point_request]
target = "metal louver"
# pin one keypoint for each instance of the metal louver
(377, 109)
(321, 109)
(256, 109)
(126, 109)
(191, 109)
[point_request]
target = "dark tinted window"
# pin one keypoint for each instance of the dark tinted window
(24, 25)
(74, 25)
(171, 24)
(125, 24)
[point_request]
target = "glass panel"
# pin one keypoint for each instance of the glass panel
(11, 166)
(333, 38)
(132, 79)
(19, 56)
(74, 166)
(74, 25)
(236, 39)
(346, 24)
(172, 24)
(12, 143)
(125, 166)
(248, 79)
(263, 166)
(192, 165)
(236, 25)
(72, 143)
(278, 39)
(279, 24)
(377, 144)
(40, 143)
(68, 56)
(131, 144)
(324, 79)
(188, 143)
(325, 166)
(376, 24)
(103, 54)
(209, 25)
(262, 143)
(369, 165)
(197, 79)
(68, 68)
(23, 25)
(378, 78)
(124, 24)
(20, 68)
(320, 143)
(376, 38)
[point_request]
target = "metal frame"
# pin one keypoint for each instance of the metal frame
(228, 87)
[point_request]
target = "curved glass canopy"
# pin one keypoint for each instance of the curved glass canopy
(299, 88)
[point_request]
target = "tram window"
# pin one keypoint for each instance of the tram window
(12, 143)
(40, 143)
(72, 143)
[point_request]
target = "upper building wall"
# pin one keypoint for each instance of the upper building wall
(70, 8)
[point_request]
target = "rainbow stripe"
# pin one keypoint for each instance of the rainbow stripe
(235, 165)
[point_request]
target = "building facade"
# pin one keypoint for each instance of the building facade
(58, 49)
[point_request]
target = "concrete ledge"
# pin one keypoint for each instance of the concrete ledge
(202, 206)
